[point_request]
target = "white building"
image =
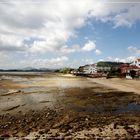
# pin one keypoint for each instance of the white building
(90, 69)
(136, 63)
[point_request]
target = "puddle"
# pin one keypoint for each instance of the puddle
(73, 94)
(89, 109)
(35, 99)
(131, 107)
(17, 79)
(13, 78)
(34, 89)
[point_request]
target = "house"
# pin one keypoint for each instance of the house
(136, 62)
(129, 71)
(88, 69)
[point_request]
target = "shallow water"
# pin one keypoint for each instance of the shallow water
(34, 89)
(75, 94)
(131, 107)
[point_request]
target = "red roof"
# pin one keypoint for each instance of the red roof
(125, 68)
(124, 65)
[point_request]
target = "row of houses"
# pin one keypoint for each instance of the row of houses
(100, 67)
(129, 70)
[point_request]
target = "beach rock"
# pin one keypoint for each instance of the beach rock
(46, 130)
(131, 131)
(5, 136)
(41, 132)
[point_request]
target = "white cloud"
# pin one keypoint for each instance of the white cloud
(51, 20)
(101, 60)
(43, 46)
(56, 62)
(89, 46)
(98, 52)
(120, 13)
(55, 21)
(52, 23)
(117, 59)
(128, 17)
(87, 61)
(109, 58)
(134, 50)
(130, 58)
(47, 63)
(11, 43)
(125, 60)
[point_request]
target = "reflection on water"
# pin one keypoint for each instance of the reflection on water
(35, 89)
(131, 107)
(13, 78)
(73, 93)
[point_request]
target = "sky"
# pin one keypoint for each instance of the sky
(68, 33)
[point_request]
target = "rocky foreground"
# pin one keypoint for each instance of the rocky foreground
(49, 124)
(51, 106)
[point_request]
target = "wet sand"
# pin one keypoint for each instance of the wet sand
(42, 105)
(125, 85)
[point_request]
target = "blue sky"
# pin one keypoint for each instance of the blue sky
(61, 33)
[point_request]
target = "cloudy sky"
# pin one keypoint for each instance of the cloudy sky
(62, 33)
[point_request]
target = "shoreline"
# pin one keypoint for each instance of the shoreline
(119, 84)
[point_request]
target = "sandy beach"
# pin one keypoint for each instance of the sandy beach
(119, 84)
(52, 105)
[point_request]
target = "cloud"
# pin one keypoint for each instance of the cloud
(55, 62)
(11, 43)
(50, 25)
(134, 50)
(98, 52)
(55, 22)
(128, 17)
(43, 47)
(109, 58)
(125, 60)
(120, 13)
(89, 46)
(51, 20)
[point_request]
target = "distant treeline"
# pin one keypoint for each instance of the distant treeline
(64, 70)
(109, 64)
(31, 70)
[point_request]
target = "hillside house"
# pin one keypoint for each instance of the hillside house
(129, 71)
(88, 69)
(136, 62)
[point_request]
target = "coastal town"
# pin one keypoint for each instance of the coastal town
(110, 69)
(70, 70)
(54, 105)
